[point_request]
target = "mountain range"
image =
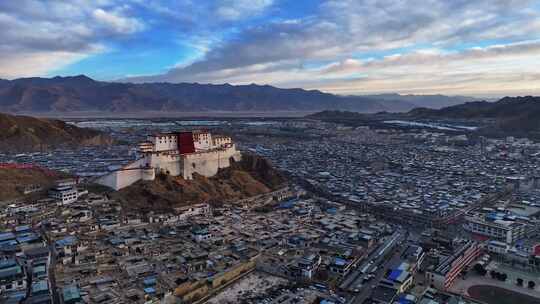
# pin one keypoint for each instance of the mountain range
(81, 93)
(514, 115)
(519, 116)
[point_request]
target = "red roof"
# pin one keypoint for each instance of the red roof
(185, 143)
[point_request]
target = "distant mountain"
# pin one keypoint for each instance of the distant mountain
(81, 93)
(425, 101)
(338, 116)
(506, 107)
(517, 116)
(25, 133)
(510, 114)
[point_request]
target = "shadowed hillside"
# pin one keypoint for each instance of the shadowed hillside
(24, 133)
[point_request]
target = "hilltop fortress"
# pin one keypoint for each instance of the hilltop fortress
(175, 154)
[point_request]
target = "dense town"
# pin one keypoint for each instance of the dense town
(389, 215)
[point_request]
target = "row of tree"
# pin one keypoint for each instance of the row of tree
(479, 269)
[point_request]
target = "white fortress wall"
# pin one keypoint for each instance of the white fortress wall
(123, 177)
(208, 163)
(166, 163)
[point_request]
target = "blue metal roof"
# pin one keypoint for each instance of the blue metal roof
(394, 275)
(150, 281)
(71, 293)
(340, 261)
(7, 263)
(7, 236)
(67, 241)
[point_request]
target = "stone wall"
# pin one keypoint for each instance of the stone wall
(166, 163)
(208, 163)
(123, 177)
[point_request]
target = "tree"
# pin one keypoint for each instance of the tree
(519, 281)
(531, 284)
(479, 269)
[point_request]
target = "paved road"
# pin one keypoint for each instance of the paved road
(52, 268)
(384, 263)
(381, 259)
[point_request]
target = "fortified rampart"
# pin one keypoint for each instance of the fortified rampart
(208, 163)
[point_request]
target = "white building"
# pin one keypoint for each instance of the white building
(176, 154)
(65, 192)
(194, 210)
(497, 247)
(505, 230)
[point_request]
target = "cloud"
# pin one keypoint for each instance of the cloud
(117, 23)
(343, 46)
(234, 10)
(342, 33)
(42, 36)
(38, 63)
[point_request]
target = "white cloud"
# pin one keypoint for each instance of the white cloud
(343, 30)
(35, 63)
(429, 44)
(117, 23)
(40, 36)
(238, 9)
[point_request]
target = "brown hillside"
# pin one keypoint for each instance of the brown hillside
(24, 133)
(12, 180)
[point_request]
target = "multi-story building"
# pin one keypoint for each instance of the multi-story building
(12, 276)
(497, 247)
(444, 273)
(65, 191)
(506, 230)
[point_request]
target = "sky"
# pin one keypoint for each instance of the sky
(458, 47)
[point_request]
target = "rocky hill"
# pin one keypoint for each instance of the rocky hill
(25, 133)
(251, 176)
(516, 116)
(80, 93)
(509, 114)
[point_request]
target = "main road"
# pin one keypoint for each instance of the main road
(386, 255)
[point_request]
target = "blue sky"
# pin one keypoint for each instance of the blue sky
(481, 47)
